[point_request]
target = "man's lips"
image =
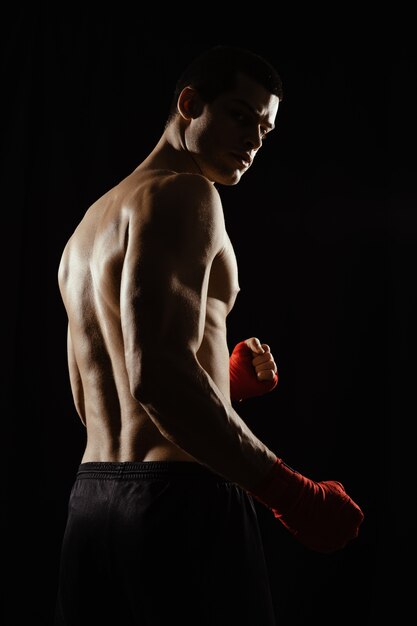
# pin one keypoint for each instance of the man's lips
(243, 158)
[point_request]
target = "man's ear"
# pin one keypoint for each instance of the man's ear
(189, 103)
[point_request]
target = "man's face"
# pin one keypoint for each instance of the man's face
(228, 133)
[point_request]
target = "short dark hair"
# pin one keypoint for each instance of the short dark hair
(214, 72)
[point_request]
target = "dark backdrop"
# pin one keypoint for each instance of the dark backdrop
(325, 232)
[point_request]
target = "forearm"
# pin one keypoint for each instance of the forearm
(190, 410)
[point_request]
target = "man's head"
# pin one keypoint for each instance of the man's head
(225, 104)
(215, 71)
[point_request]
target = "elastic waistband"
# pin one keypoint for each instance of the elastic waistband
(145, 470)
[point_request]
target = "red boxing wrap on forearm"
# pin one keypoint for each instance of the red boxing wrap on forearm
(320, 515)
(244, 382)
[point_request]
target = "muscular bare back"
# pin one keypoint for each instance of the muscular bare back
(114, 268)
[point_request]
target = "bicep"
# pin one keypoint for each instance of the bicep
(164, 286)
(163, 297)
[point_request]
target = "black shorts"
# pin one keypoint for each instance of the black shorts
(161, 543)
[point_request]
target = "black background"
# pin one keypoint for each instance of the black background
(325, 231)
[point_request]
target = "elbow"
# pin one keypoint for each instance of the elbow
(140, 390)
(141, 393)
(150, 392)
(145, 383)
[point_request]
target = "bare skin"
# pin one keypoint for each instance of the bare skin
(148, 279)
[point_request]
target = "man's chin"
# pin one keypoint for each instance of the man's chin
(230, 179)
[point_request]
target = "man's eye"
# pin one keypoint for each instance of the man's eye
(239, 116)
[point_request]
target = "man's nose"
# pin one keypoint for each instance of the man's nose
(253, 140)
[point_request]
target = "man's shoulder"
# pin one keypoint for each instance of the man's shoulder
(179, 193)
(186, 187)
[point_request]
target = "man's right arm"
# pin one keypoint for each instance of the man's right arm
(163, 303)
(163, 306)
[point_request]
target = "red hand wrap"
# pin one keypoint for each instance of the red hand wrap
(320, 515)
(244, 382)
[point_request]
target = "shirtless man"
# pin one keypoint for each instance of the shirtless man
(162, 526)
